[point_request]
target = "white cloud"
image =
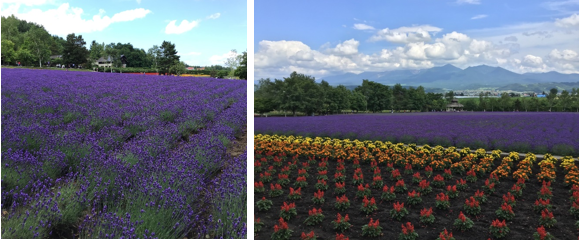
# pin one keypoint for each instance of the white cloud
(479, 16)
(468, 1)
(185, 26)
(412, 34)
(361, 26)
(214, 16)
(65, 19)
(532, 61)
(220, 59)
(569, 22)
(348, 47)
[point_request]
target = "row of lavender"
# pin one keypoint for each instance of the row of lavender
(95, 155)
(556, 133)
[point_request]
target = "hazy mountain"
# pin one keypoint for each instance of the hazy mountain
(451, 77)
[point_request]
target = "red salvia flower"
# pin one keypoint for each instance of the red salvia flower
(424, 184)
(438, 178)
(319, 194)
(471, 202)
(398, 206)
(426, 212)
(499, 224)
(442, 197)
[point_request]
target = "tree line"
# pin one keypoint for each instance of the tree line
(30, 44)
(553, 101)
(301, 93)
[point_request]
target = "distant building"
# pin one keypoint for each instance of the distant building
(454, 106)
(202, 68)
(102, 62)
(541, 96)
(190, 68)
(55, 56)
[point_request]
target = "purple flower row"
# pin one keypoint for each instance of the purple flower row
(132, 155)
(556, 133)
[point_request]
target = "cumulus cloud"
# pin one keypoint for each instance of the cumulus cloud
(361, 26)
(411, 34)
(479, 16)
(185, 26)
(214, 16)
(348, 47)
(65, 19)
(468, 1)
(569, 22)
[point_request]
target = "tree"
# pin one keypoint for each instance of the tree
(178, 68)
(505, 101)
(233, 61)
(40, 42)
(96, 51)
(551, 97)
(470, 105)
(241, 71)
(169, 56)
(154, 54)
(8, 53)
(75, 51)
(399, 94)
(358, 101)
(565, 99)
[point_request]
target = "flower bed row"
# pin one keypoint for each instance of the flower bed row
(383, 190)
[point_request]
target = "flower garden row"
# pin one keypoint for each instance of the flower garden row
(337, 189)
(523, 132)
(93, 155)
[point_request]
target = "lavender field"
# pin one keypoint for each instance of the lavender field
(95, 155)
(555, 133)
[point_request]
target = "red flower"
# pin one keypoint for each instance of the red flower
(408, 228)
(324, 172)
(428, 169)
(398, 206)
(438, 178)
(471, 173)
(441, 197)
(395, 173)
(445, 235)
(545, 190)
(424, 184)
(342, 199)
(417, 175)
(542, 202)
(451, 188)
(301, 179)
(286, 207)
(323, 182)
(373, 224)
(340, 184)
(471, 202)
(545, 214)
(508, 197)
(370, 202)
(285, 169)
(462, 217)
(460, 182)
(315, 211)
(258, 185)
(426, 212)
(319, 194)
(276, 187)
(282, 176)
(413, 194)
(301, 172)
(447, 171)
(479, 193)
(338, 175)
(310, 235)
(498, 224)
(400, 183)
(377, 178)
(506, 207)
(341, 236)
(542, 232)
(296, 191)
(408, 166)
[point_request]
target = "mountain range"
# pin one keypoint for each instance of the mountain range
(451, 77)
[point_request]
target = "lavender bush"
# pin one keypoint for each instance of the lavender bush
(556, 133)
(96, 155)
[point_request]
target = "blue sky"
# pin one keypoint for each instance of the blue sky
(203, 31)
(323, 38)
